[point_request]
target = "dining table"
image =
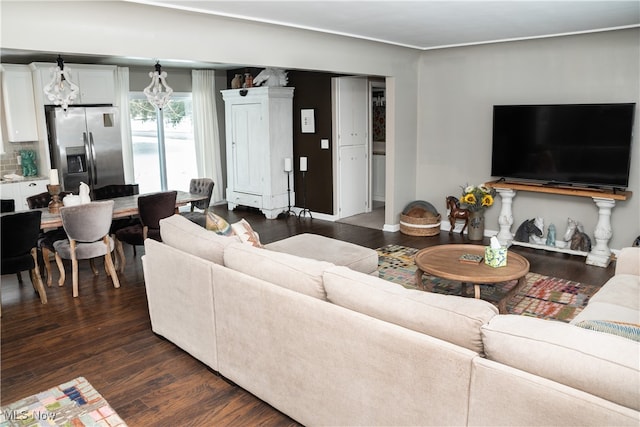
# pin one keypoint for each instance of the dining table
(122, 207)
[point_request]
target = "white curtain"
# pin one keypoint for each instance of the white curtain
(122, 102)
(206, 133)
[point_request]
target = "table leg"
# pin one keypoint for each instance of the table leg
(476, 290)
(600, 254)
(505, 219)
(502, 304)
(420, 284)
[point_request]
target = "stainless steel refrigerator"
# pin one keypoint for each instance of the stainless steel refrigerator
(85, 146)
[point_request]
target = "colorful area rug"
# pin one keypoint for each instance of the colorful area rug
(75, 403)
(542, 296)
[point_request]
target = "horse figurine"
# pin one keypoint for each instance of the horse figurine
(526, 229)
(274, 77)
(456, 213)
(580, 241)
(571, 229)
(533, 238)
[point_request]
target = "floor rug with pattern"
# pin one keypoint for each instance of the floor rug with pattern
(542, 296)
(75, 403)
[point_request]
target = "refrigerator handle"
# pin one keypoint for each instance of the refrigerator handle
(89, 165)
(93, 159)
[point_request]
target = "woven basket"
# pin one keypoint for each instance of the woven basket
(420, 226)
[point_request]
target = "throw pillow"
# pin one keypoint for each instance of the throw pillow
(218, 224)
(243, 230)
(626, 330)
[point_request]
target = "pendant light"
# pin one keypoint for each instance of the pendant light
(61, 90)
(158, 92)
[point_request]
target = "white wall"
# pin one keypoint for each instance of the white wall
(458, 88)
(439, 102)
(128, 29)
(178, 79)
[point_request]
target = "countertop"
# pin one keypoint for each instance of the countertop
(27, 178)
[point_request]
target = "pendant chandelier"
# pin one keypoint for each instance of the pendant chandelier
(158, 92)
(61, 90)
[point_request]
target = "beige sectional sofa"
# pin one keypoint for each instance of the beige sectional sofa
(329, 345)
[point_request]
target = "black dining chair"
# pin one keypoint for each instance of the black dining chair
(113, 191)
(204, 187)
(151, 209)
(7, 205)
(19, 247)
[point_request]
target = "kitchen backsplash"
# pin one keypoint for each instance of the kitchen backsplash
(9, 160)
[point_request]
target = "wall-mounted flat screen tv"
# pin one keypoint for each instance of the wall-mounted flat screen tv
(575, 144)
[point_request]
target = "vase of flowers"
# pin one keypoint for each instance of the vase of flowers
(476, 199)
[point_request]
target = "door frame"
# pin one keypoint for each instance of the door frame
(373, 85)
(337, 178)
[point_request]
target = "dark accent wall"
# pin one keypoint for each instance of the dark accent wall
(312, 90)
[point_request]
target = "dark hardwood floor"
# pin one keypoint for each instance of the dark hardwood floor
(105, 335)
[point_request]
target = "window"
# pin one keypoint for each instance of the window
(177, 140)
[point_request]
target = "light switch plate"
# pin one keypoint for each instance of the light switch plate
(324, 144)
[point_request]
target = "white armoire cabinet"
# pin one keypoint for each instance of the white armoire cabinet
(259, 134)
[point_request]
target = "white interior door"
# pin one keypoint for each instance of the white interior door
(350, 99)
(353, 180)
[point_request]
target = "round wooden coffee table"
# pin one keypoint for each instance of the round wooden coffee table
(443, 261)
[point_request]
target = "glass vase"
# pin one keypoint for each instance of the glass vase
(476, 225)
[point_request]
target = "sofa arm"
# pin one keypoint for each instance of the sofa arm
(628, 261)
(179, 290)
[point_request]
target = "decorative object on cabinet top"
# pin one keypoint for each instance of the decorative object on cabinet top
(273, 77)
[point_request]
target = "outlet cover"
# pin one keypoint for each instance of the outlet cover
(324, 144)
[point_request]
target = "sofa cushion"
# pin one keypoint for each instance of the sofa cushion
(180, 233)
(335, 251)
(299, 274)
(616, 301)
(604, 365)
(449, 318)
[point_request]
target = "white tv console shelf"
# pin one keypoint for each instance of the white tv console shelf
(605, 200)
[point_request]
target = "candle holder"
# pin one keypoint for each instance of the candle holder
(55, 204)
(304, 210)
(289, 212)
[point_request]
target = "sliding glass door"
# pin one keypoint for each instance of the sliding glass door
(166, 155)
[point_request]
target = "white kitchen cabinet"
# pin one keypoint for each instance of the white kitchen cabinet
(11, 191)
(96, 83)
(18, 102)
(20, 190)
(259, 136)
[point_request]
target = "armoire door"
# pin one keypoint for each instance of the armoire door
(248, 148)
